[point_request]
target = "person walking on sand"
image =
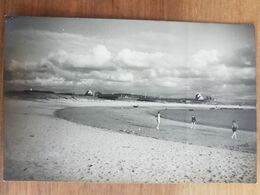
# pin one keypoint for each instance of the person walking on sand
(158, 119)
(234, 129)
(193, 122)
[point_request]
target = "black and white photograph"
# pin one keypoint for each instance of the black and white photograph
(129, 101)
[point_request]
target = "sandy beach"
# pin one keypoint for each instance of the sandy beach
(109, 141)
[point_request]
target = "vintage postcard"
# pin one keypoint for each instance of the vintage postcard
(129, 101)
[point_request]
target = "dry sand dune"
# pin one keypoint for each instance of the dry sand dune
(40, 146)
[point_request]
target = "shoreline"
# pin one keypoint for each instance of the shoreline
(114, 119)
(105, 102)
(220, 118)
(50, 148)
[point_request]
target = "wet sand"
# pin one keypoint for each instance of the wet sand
(142, 121)
(216, 117)
(40, 146)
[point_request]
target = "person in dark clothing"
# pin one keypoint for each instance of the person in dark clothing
(193, 121)
(234, 129)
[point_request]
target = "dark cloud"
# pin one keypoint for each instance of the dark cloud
(242, 81)
(242, 57)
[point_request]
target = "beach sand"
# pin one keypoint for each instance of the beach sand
(40, 146)
(142, 121)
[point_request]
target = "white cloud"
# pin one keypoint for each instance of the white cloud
(98, 57)
(52, 81)
(202, 61)
(128, 69)
(15, 65)
(137, 59)
(116, 76)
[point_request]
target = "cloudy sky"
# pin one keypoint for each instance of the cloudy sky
(170, 59)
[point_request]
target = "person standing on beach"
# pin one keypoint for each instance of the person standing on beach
(193, 122)
(158, 119)
(234, 129)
